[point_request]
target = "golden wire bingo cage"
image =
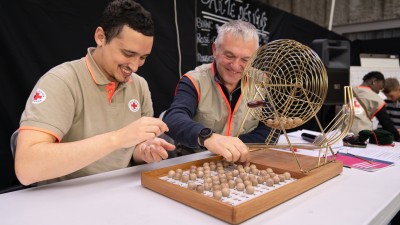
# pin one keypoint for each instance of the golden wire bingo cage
(285, 84)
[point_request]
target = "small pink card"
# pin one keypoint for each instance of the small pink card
(362, 163)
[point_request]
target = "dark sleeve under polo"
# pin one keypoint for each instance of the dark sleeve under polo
(387, 123)
(179, 117)
(258, 135)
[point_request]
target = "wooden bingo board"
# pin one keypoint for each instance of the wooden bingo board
(239, 205)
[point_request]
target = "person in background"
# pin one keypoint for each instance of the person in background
(392, 92)
(208, 107)
(368, 104)
(94, 114)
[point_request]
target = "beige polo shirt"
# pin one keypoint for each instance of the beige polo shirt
(75, 100)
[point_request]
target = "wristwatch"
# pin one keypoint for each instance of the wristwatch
(203, 135)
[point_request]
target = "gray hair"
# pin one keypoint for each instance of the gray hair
(237, 28)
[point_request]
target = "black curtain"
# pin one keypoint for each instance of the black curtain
(36, 35)
(161, 69)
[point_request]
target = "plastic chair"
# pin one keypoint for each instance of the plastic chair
(13, 142)
(13, 145)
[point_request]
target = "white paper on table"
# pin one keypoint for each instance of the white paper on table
(385, 153)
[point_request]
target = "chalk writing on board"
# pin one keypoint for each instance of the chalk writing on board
(213, 13)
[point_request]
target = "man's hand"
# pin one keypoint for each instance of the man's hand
(153, 150)
(141, 130)
(231, 148)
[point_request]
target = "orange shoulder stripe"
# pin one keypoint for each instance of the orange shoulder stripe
(379, 109)
(195, 86)
(41, 130)
(229, 122)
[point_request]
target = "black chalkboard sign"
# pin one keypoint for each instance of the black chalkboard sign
(213, 13)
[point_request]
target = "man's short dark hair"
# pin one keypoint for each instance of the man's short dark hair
(374, 74)
(126, 12)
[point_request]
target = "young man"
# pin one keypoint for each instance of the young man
(94, 114)
(208, 109)
(392, 92)
(368, 104)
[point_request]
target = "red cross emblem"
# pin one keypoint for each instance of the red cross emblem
(134, 105)
(39, 97)
(356, 104)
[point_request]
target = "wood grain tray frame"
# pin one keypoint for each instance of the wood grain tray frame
(239, 213)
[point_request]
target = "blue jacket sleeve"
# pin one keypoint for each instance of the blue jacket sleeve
(258, 135)
(182, 128)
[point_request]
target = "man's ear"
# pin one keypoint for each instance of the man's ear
(100, 37)
(214, 49)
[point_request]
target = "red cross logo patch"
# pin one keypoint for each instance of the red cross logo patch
(358, 109)
(39, 96)
(134, 105)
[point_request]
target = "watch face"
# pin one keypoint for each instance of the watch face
(205, 132)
